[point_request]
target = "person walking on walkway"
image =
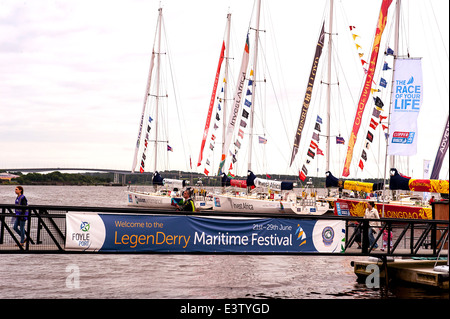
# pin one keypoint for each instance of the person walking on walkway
(371, 212)
(19, 224)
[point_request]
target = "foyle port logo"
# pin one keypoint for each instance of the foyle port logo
(83, 237)
(85, 226)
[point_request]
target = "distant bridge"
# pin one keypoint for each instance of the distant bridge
(119, 175)
(54, 169)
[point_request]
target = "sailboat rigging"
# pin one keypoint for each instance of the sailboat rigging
(149, 126)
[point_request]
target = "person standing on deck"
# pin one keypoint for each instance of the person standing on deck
(187, 204)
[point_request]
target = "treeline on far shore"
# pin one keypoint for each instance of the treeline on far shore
(93, 178)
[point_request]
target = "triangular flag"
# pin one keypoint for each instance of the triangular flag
(352, 27)
(361, 55)
(302, 176)
(319, 151)
(382, 117)
(354, 36)
(361, 164)
(363, 62)
(373, 124)
(251, 72)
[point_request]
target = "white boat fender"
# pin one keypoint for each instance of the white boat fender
(441, 268)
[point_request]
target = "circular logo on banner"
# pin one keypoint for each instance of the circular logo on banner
(327, 235)
(85, 226)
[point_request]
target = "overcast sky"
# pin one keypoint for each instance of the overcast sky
(73, 76)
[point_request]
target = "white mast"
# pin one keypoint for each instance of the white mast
(158, 69)
(396, 54)
(327, 133)
(255, 60)
(225, 87)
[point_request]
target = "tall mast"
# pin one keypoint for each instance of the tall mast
(158, 71)
(225, 87)
(396, 54)
(327, 133)
(255, 60)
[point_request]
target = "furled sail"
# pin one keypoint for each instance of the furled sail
(308, 94)
(367, 84)
(356, 186)
(226, 181)
(252, 180)
(141, 124)
(167, 182)
(211, 104)
(236, 104)
(443, 147)
(397, 181)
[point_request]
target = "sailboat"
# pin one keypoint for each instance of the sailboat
(262, 195)
(321, 120)
(167, 191)
(401, 136)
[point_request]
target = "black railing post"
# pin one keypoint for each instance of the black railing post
(28, 238)
(2, 226)
(433, 238)
(365, 236)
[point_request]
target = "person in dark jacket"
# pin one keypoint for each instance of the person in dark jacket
(19, 224)
(187, 204)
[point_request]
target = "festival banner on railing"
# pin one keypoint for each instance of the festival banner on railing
(348, 207)
(367, 85)
(308, 94)
(407, 95)
(164, 233)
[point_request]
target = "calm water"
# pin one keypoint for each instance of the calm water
(175, 276)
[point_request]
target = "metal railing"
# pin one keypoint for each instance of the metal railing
(45, 230)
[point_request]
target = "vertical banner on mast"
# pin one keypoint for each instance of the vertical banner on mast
(211, 104)
(406, 99)
(236, 104)
(443, 147)
(309, 88)
(367, 85)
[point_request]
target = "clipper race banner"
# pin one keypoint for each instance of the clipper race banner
(367, 85)
(309, 88)
(163, 233)
(406, 102)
